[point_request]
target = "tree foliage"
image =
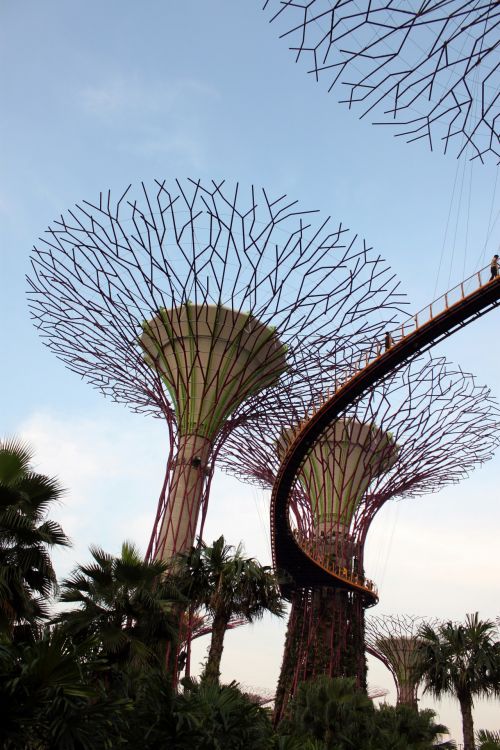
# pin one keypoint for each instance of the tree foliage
(336, 714)
(225, 583)
(332, 710)
(128, 605)
(27, 577)
(462, 660)
(49, 700)
(488, 740)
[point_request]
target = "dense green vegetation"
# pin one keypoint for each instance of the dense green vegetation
(340, 717)
(488, 740)
(27, 577)
(99, 673)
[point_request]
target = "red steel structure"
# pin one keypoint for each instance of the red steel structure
(394, 640)
(428, 68)
(426, 426)
(191, 302)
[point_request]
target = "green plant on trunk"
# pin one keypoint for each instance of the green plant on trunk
(126, 604)
(27, 577)
(464, 661)
(221, 580)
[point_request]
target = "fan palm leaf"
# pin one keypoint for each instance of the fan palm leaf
(124, 602)
(27, 576)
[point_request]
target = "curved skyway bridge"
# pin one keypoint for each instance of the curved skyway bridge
(300, 558)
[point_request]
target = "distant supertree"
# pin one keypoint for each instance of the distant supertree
(426, 426)
(394, 640)
(428, 67)
(188, 301)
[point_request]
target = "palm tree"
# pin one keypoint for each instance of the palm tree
(212, 716)
(464, 661)
(227, 584)
(402, 727)
(127, 604)
(333, 711)
(204, 715)
(488, 740)
(47, 701)
(27, 577)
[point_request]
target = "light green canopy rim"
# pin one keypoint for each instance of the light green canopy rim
(340, 467)
(211, 358)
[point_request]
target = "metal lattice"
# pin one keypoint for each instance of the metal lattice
(394, 640)
(426, 426)
(430, 69)
(192, 302)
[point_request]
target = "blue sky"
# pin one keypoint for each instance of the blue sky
(97, 95)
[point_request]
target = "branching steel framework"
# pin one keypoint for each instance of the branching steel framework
(394, 640)
(191, 302)
(429, 68)
(426, 426)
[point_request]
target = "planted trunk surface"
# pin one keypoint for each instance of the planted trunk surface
(219, 627)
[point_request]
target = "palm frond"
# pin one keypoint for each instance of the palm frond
(15, 458)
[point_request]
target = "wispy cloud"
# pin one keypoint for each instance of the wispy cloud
(152, 118)
(112, 474)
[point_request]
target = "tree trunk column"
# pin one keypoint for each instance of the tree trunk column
(212, 669)
(467, 723)
(178, 529)
(407, 694)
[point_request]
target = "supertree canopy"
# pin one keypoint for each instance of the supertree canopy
(429, 68)
(394, 639)
(192, 302)
(426, 426)
(339, 469)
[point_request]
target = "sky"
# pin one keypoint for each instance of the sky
(98, 95)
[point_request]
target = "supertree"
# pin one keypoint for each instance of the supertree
(394, 640)
(426, 67)
(426, 426)
(190, 302)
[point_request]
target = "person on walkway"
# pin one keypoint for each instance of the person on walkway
(388, 341)
(494, 267)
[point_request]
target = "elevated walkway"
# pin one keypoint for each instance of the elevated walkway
(455, 309)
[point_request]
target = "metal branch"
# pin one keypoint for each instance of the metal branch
(191, 302)
(430, 70)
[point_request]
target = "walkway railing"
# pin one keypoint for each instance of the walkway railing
(440, 305)
(324, 560)
(444, 302)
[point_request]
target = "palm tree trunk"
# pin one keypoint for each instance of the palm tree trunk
(212, 668)
(467, 722)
